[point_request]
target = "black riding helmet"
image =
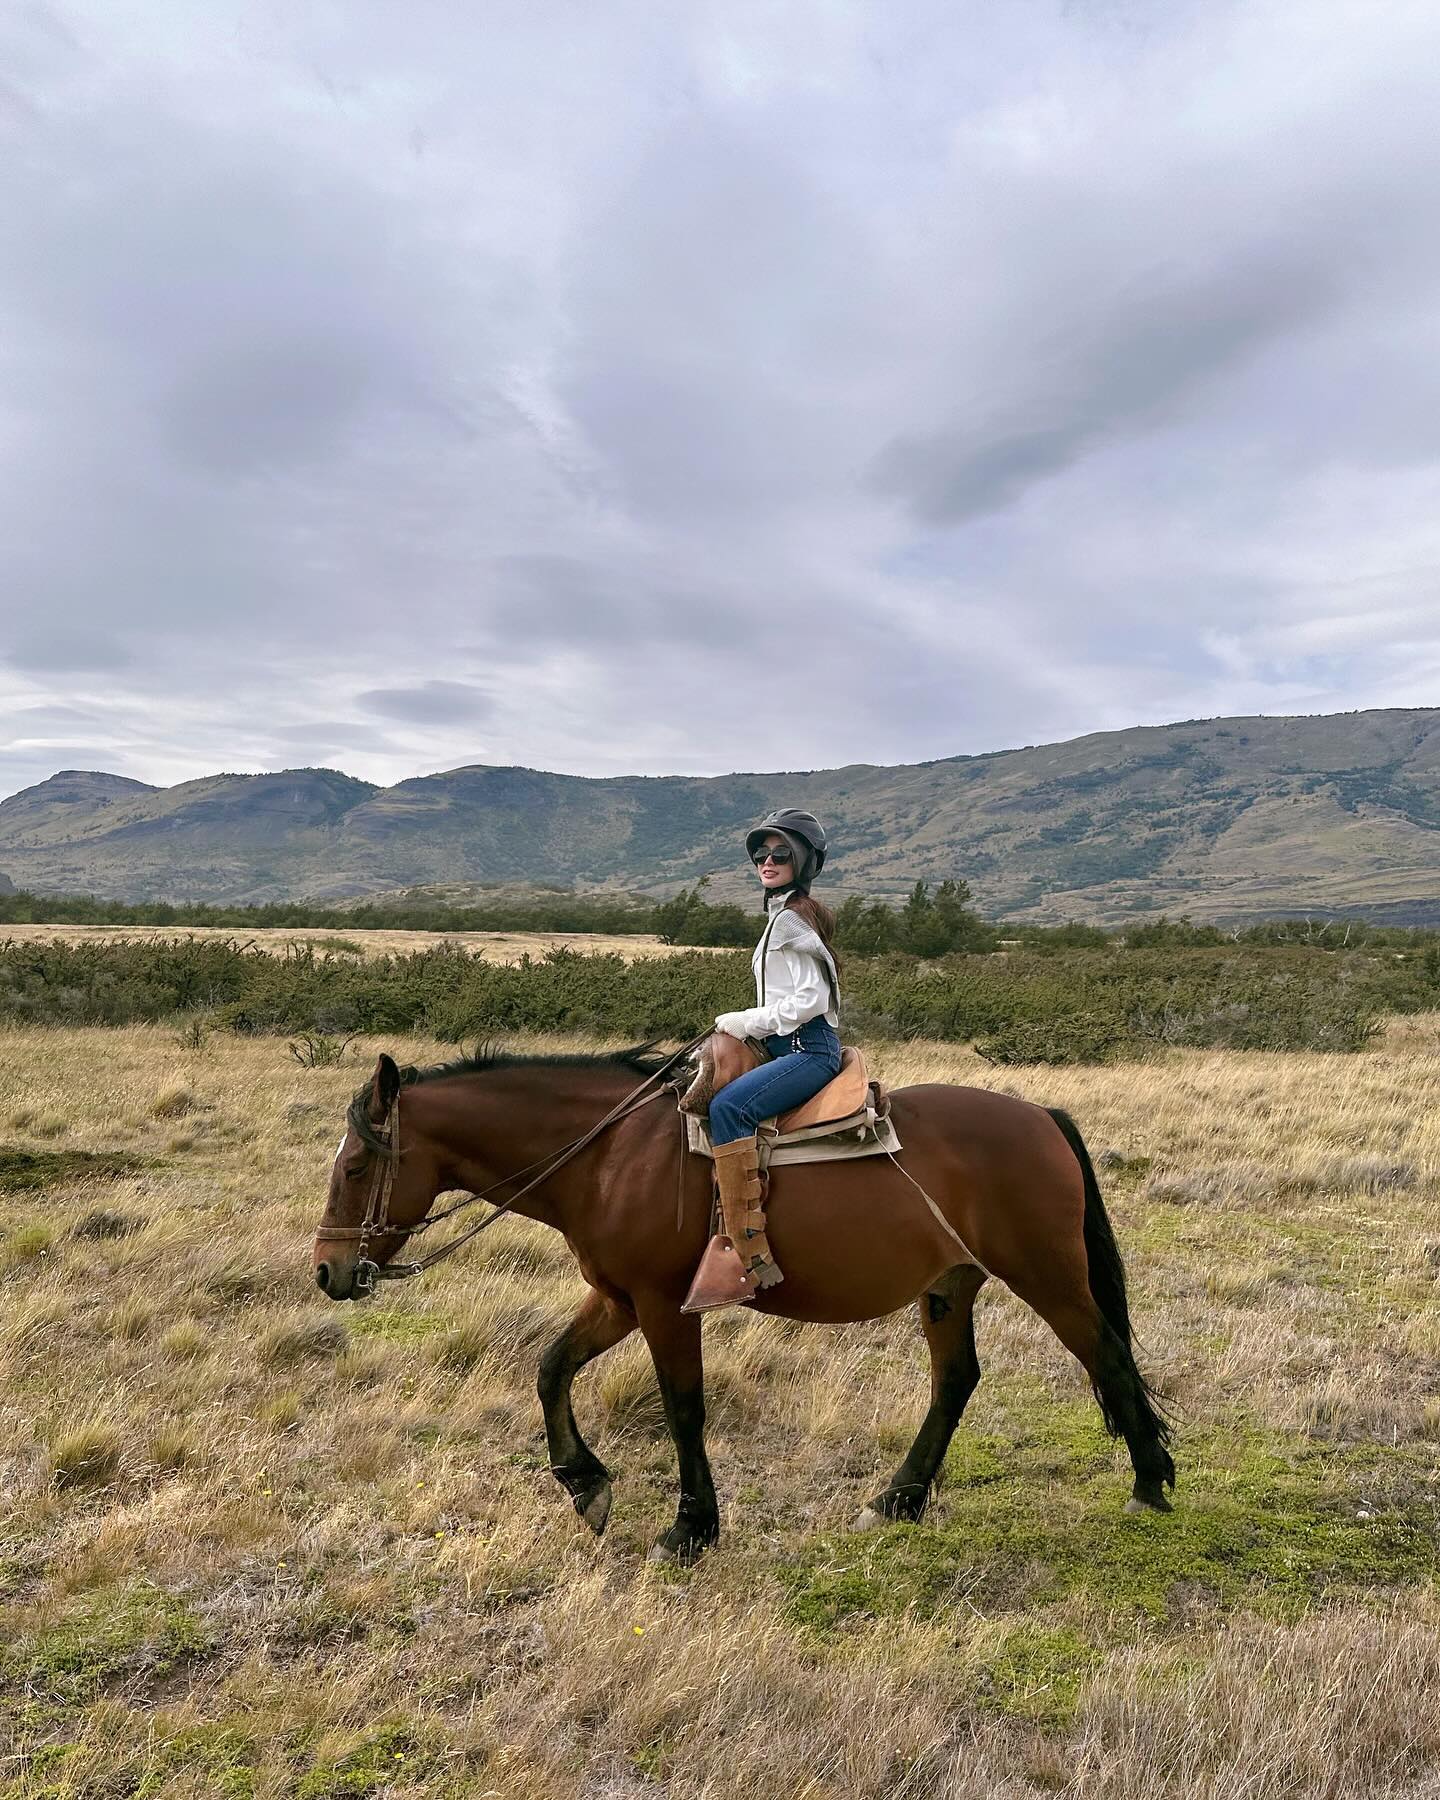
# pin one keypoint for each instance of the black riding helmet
(805, 835)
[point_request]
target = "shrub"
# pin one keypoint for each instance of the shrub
(688, 918)
(1066, 1004)
(313, 1051)
(1065, 1038)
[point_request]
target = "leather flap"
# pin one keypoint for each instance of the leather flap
(847, 1093)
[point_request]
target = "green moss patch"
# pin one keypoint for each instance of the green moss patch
(114, 1635)
(389, 1758)
(1253, 1528)
(395, 1327)
(1037, 1674)
(26, 1171)
(227, 1757)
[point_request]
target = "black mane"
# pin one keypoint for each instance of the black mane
(641, 1059)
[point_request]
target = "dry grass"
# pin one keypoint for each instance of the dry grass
(489, 946)
(259, 1545)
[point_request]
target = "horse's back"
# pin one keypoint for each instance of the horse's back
(998, 1153)
(977, 1115)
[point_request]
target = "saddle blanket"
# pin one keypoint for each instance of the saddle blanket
(862, 1133)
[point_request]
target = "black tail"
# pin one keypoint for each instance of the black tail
(1130, 1393)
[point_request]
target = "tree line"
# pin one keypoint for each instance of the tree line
(930, 922)
(1078, 1005)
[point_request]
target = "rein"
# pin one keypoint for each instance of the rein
(376, 1222)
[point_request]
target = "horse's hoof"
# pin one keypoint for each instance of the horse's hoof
(681, 1545)
(1136, 1505)
(596, 1510)
(867, 1519)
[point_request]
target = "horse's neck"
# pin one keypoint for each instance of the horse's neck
(498, 1125)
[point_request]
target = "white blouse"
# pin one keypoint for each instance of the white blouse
(799, 979)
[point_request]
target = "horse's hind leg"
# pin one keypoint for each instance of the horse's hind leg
(1125, 1400)
(599, 1325)
(1078, 1288)
(948, 1321)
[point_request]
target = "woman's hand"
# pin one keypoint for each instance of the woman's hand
(733, 1024)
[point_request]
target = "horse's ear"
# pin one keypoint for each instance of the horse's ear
(384, 1086)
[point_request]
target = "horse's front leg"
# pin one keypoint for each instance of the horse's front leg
(599, 1325)
(674, 1340)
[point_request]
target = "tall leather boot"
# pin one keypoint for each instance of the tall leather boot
(737, 1260)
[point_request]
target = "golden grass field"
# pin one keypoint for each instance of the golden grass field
(256, 1544)
(490, 946)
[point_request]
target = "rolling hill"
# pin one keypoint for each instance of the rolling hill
(1224, 818)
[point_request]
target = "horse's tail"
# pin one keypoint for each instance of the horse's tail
(1131, 1392)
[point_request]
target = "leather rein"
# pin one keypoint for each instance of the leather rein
(376, 1222)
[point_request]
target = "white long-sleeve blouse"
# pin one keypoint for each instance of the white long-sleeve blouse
(798, 979)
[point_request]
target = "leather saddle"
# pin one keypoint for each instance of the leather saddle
(722, 1059)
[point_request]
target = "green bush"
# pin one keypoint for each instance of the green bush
(689, 918)
(926, 925)
(557, 911)
(1061, 1005)
(1063, 1038)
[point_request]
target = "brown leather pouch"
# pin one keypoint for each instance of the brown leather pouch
(723, 1059)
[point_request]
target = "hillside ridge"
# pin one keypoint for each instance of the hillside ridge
(1222, 818)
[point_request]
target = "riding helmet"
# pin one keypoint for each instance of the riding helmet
(802, 831)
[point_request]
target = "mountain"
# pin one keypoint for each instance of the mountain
(51, 812)
(1221, 818)
(235, 837)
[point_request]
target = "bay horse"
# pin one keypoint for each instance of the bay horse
(855, 1240)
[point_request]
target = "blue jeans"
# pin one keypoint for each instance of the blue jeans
(804, 1061)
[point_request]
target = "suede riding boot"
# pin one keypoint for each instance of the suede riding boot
(737, 1260)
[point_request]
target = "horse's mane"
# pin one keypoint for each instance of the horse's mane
(642, 1059)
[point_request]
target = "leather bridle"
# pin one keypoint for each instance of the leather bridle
(376, 1220)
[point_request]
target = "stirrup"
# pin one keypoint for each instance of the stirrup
(720, 1280)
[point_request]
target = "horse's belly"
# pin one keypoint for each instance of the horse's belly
(845, 1260)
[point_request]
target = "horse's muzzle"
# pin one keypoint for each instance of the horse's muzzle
(338, 1283)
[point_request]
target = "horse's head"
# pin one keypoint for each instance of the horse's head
(384, 1180)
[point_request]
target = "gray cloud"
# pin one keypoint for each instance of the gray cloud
(332, 734)
(60, 650)
(30, 718)
(1154, 351)
(431, 703)
(978, 380)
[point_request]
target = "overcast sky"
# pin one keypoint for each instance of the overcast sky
(683, 387)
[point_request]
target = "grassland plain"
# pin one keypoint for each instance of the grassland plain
(258, 1545)
(490, 946)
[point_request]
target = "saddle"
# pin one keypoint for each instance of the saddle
(850, 1116)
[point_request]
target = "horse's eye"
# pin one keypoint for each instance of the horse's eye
(354, 1170)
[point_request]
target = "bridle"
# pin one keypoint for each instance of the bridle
(376, 1221)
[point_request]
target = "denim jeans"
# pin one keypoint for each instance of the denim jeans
(804, 1061)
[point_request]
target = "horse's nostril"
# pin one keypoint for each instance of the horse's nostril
(322, 1277)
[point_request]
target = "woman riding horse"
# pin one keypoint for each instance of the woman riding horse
(796, 1012)
(987, 1185)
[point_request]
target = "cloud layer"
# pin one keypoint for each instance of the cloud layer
(730, 386)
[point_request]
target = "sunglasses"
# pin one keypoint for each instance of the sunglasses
(779, 857)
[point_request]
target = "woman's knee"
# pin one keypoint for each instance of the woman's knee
(736, 1111)
(727, 1122)
(728, 1129)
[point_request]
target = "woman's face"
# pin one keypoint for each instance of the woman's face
(775, 874)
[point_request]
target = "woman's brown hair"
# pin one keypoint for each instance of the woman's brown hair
(818, 916)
